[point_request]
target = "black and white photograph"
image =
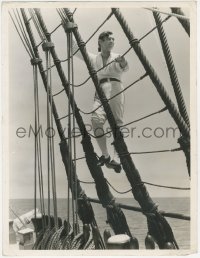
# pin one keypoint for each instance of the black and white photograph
(99, 128)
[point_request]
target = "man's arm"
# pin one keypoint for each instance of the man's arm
(121, 63)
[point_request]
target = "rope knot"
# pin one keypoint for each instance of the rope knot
(134, 41)
(184, 142)
(57, 61)
(69, 26)
(47, 46)
(81, 44)
(93, 72)
(35, 61)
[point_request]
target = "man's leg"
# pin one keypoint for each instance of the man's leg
(98, 119)
(117, 107)
(101, 139)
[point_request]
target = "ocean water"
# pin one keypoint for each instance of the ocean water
(136, 220)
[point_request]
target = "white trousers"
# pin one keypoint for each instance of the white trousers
(99, 116)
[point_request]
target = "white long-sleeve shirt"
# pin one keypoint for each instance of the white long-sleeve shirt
(113, 70)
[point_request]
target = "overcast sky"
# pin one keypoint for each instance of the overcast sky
(141, 99)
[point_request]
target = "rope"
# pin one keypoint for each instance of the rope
(149, 152)
(98, 28)
(152, 74)
(74, 11)
(144, 117)
(125, 53)
(50, 139)
(170, 14)
(37, 26)
(137, 209)
(87, 113)
(38, 158)
(170, 187)
(70, 74)
(147, 183)
(124, 192)
(79, 158)
(58, 92)
(21, 26)
(120, 92)
(74, 143)
(172, 70)
(109, 16)
(184, 23)
(22, 40)
(142, 152)
(55, 30)
(134, 121)
(62, 61)
(158, 25)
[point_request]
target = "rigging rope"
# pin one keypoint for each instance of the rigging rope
(144, 152)
(37, 26)
(38, 161)
(143, 182)
(170, 14)
(109, 16)
(172, 70)
(48, 68)
(154, 77)
(134, 121)
(120, 92)
(22, 40)
(184, 23)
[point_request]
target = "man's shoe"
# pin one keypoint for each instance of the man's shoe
(114, 165)
(103, 161)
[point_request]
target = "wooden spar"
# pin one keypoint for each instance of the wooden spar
(119, 225)
(138, 209)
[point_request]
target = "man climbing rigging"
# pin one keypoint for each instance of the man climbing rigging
(110, 81)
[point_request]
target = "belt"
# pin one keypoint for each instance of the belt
(108, 80)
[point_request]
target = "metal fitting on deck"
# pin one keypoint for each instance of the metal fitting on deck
(47, 46)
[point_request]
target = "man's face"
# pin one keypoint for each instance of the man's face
(107, 43)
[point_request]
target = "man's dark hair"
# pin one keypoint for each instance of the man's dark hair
(102, 36)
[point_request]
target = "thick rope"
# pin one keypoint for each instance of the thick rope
(102, 188)
(174, 81)
(154, 28)
(43, 75)
(184, 23)
(144, 36)
(179, 16)
(172, 70)
(74, 142)
(139, 192)
(152, 74)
